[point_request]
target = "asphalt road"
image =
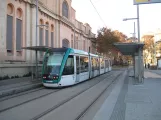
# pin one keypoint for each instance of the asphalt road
(60, 104)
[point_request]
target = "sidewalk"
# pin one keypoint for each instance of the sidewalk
(129, 101)
(16, 85)
(154, 71)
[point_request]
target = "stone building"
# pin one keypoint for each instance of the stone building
(58, 27)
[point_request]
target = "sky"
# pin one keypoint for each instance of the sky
(114, 11)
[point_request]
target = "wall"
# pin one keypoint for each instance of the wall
(49, 11)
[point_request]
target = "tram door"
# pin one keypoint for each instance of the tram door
(77, 68)
(92, 66)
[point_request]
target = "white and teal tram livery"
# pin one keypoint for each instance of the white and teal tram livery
(67, 66)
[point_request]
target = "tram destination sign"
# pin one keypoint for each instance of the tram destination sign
(137, 2)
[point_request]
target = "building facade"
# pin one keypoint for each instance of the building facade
(57, 27)
(152, 57)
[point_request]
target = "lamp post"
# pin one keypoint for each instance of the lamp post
(37, 35)
(139, 56)
(134, 34)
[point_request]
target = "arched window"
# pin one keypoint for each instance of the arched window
(84, 45)
(9, 31)
(65, 43)
(41, 35)
(47, 35)
(65, 9)
(41, 22)
(19, 30)
(52, 35)
(76, 43)
(72, 44)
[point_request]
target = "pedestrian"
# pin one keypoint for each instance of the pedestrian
(148, 65)
(145, 65)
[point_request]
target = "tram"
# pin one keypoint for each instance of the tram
(68, 66)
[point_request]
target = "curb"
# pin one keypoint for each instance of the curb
(19, 89)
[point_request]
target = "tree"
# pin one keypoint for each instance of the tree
(149, 42)
(131, 39)
(105, 40)
(149, 46)
(122, 37)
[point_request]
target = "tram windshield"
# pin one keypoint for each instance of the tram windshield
(53, 62)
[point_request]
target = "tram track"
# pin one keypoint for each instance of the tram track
(28, 101)
(35, 98)
(68, 99)
(83, 113)
(30, 91)
(20, 94)
(36, 107)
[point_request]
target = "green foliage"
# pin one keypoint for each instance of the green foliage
(27, 75)
(4, 77)
(106, 38)
(149, 42)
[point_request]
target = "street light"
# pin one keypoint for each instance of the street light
(126, 19)
(37, 35)
(138, 26)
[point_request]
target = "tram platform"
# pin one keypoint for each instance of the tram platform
(16, 85)
(132, 101)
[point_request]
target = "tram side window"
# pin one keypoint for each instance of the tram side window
(69, 66)
(92, 64)
(109, 62)
(106, 63)
(77, 64)
(98, 64)
(102, 64)
(84, 64)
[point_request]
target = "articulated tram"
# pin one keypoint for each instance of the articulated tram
(67, 66)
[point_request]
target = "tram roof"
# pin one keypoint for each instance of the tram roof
(83, 52)
(128, 48)
(45, 48)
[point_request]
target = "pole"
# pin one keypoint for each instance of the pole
(36, 37)
(134, 33)
(90, 69)
(138, 23)
(74, 36)
(139, 57)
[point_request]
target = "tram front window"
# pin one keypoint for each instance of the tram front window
(53, 63)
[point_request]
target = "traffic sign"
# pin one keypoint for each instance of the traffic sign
(137, 2)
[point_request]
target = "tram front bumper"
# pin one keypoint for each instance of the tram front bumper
(51, 85)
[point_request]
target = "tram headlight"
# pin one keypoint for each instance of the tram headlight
(55, 77)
